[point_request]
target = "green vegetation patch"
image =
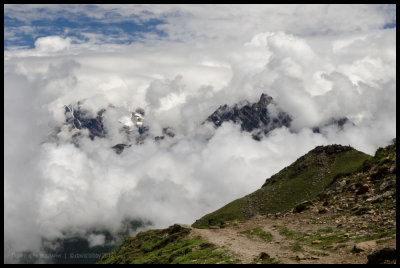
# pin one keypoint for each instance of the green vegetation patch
(230, 212)
(323, 239)
(301, 181)
(382, 159)
(258, 232)
(284, 231)
(331, 239)
(166, 246)
(376, 233)
(296, 247)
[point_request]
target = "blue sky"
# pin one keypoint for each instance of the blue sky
(390, 25)
(20, 32)
(124, 24)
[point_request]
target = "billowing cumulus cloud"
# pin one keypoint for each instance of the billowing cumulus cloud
(318, 63)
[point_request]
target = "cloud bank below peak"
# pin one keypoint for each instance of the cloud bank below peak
(316, 61)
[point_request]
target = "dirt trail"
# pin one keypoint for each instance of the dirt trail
(247, 249)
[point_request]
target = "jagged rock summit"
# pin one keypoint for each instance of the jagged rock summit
(259, 118)
(79, 122)
(78, 118)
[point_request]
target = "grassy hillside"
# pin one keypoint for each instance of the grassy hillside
(301, 181)
(353, 206)
(167, 246)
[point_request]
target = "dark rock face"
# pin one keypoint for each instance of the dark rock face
(166, 132)
(362, 189)
(322, 210)
(302, 206)
(269, 181)
(143, 130)
(255, 117)
(119, 148)
(132, 126)
(176, 228)
(382, 255)
(339, 122)
(263, 256)
(332, 149)
(78, 118)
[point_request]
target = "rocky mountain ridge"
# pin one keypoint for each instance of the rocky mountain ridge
(258, 118)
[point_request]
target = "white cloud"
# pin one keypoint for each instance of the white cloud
(315, 65)
(96, 240)
(51, 44)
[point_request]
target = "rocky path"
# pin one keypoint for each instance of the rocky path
(244, 248)
(281, 248)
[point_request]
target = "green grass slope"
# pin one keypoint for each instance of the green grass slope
(167, 246)
(301, 181)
